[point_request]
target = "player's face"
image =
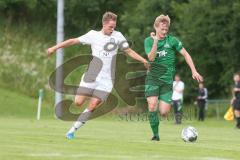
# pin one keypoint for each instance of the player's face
(162, 29)
(236, 78)
(200, 85)
(177, 78)
(109, 26)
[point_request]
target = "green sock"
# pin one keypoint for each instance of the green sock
(154, 122)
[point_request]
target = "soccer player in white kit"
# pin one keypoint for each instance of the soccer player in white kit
(177, 98)
(98, 80)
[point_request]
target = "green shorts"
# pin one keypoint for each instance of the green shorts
(159, 88)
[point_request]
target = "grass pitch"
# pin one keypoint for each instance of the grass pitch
(113, 138)
(105, 138)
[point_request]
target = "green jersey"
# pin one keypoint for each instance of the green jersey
(163, 66)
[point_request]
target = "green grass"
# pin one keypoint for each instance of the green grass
(110, 138)
(22, 137)
(18, 105)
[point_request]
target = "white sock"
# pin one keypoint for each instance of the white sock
(77, 124)
(86, 110)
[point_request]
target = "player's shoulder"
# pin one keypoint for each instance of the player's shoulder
(172, 38)
(93, 32)
(117, 33)
(174, 41)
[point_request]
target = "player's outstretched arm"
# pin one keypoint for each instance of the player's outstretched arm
(188, 58)
(152, 53)
(63, 44)
(136, 56)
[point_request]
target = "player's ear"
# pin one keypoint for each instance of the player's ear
(103, 23)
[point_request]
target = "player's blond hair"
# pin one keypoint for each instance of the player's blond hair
(107, 16)
(162, 18)
(236, 74)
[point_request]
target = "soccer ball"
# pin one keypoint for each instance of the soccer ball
(189, 134)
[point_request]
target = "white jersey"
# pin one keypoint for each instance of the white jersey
(98, 41)
(177, 86)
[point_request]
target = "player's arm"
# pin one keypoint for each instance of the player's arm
(137, 57)
(152, 53)
(188, 58)
(63, 44)
(179, 90)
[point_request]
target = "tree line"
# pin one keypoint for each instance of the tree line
(209, 30)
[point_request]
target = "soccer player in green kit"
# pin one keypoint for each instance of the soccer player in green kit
(161, 49)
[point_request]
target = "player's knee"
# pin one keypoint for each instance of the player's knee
(93, 104)
(152, 106)
(78, 102)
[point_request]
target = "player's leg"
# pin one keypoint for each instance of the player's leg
(153, 116)
(152, 92)
(203, 111)
(237, 112)
(200, 116)
(177, 106)
(237, 115)
(85, 90)
(179, 111)
(84, 116)
(198, 109)
(98, 96)
(165, 103)
(164, 108)
(79, 100)
(102, 88)
(174, 104)
(175, 109)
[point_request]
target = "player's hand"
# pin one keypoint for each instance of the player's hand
(153, 35)
(50, 51)
(197, 77)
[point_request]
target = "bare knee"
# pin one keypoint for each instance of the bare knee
(94, 103)
(152, 106)
(164, 108)
(79, 101)
(152, 103)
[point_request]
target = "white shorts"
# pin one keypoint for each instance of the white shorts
(100, 87)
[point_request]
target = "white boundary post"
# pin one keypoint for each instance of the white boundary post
(40, 94)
